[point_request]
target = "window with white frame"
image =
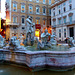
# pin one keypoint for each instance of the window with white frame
(44, 11)
(70, 19)
(54, 22)
(37, 21)
(14, 19)
(22, 8)
(64, 19)
(70, 7)
(30, 9)
(49, 11)
(37, 10)
(64, 9)
(37, 0)
(59, 12)
(59, 21)
(44, 1)
(65, 33)
(14, 7)
(53, 13)
(58, 6)
(23, 20)
(59, 33)
(70, 1)
(64, 4)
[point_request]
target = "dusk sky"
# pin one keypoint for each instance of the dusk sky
(3, 9)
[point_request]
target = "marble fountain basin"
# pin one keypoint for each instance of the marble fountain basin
(38, 60)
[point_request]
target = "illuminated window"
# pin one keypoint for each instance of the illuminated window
(37, 21)
(14, 7)
(44, 22)
(23, 8)
(30, 9)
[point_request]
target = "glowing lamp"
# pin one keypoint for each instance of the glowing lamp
(37, 33)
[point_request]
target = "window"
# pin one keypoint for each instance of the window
(14, 27)
(44, 1)
(59, 21)
(37, 0)
(37, 21)
(23, 20)
(70, 18)
(37, 10)
(44, 10)
(23, 28)
(44, 22)
(59, 6)
(54, 23)
(49, 11)
(70, 1)
(14, 7)
(64, 20)
(53, 8)
(70, 7)
(59, 33)
(53, 13)
(23, 8)
(14, 19)
(59, 11)
(65, 33)
(64, 9)
(64, 4)
(49, 1)
(30, 9)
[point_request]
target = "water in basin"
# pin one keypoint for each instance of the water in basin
(54, 48)
(17, 70)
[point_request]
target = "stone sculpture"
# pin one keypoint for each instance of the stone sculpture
(71, 42)
(52, 40)
(44, 44)
(14, 43)
(21, 39)
(2, 41)
(29, 32)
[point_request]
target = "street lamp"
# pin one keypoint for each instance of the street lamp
(0, 23)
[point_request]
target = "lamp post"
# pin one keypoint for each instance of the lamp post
(0, 24)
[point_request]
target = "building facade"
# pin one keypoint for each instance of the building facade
(63, 18)
(17, 12)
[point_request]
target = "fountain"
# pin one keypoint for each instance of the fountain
(45, 54)
(2, 42)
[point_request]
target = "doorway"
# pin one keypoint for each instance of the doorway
(71, 32)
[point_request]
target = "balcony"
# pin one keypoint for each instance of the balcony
(70, 23)
(57, 3)
(65, 24)
(12, 24)
(54, 26)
